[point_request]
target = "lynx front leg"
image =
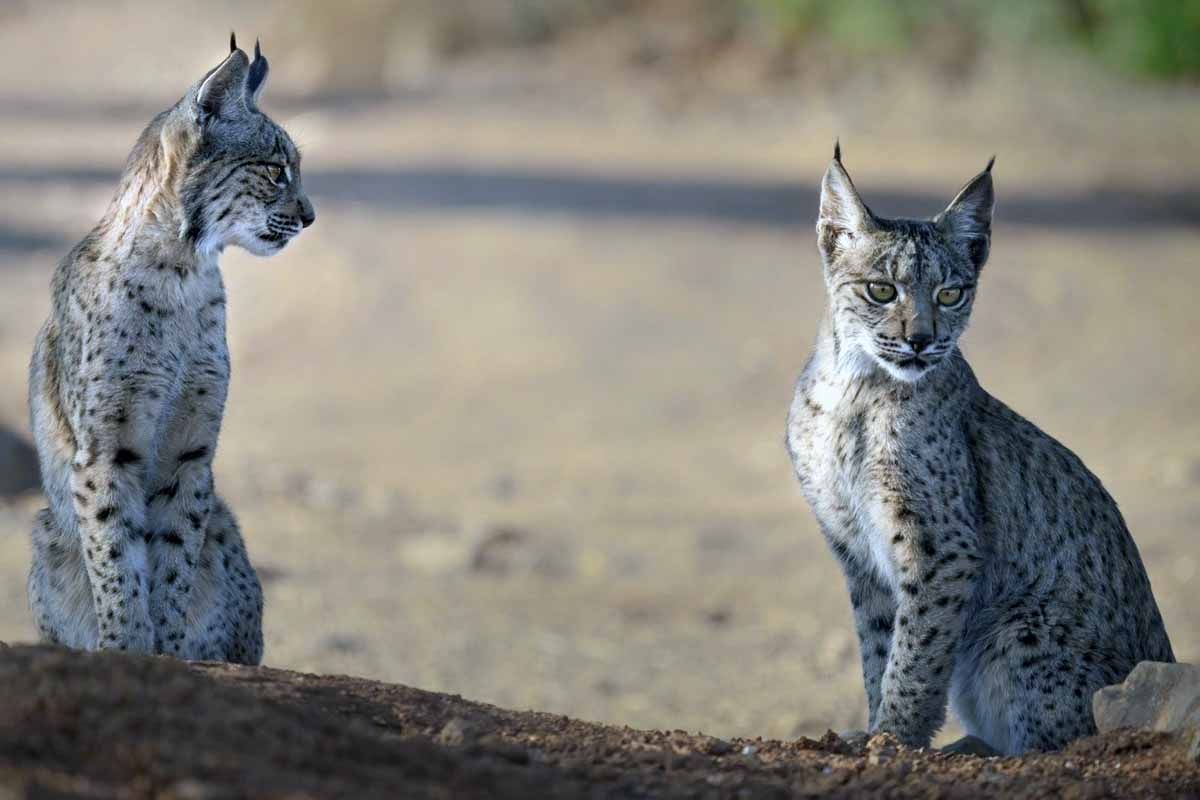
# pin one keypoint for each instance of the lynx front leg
(107, 488)
(179, 515)
(936, 565)
(874, 620)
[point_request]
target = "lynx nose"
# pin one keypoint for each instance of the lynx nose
(307, 214)
(918, 341)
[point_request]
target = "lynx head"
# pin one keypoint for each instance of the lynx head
(900, 291)
(236, 173)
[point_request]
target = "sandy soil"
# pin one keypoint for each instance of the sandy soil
(507, 421)
(68, 729)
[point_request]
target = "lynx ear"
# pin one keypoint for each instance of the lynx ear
(844, 217)
(256, 77)
(967, 221)
(220, 93)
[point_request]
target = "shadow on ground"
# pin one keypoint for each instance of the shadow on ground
(18, 462)
(14, 241)
(438, 188)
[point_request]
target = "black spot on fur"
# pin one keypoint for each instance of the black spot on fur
(193, 455)
(168, 492)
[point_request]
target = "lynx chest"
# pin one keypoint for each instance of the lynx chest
(846, 458)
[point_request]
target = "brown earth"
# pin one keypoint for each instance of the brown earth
(111, 725)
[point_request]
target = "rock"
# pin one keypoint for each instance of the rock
(883, 748)
(1156, 697)
(855, 738)
(971, 746)
(18, 466)
(498, 550)
(459, 731)
(717, 747)
(505, 550)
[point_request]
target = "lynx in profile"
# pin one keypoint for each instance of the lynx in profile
(985, 563)
(128, 381)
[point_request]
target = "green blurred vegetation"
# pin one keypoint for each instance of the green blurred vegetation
(1146, 38)
(358, 41)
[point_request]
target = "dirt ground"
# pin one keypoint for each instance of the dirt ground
(69, 730)
(507, 421)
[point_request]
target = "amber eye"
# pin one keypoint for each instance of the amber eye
(881, 292)
(949, 297)
(275, 173)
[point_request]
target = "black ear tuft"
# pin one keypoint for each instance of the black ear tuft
(991, 161)
(257, 76)
(837, 150)
(232, 41)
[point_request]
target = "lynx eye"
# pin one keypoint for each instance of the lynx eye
(276, 173)
(881, 292)
(949, 297)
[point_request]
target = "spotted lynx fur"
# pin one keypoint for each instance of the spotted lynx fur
(985, 563)
(128, 381)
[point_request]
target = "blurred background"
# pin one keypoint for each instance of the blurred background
(508, 420)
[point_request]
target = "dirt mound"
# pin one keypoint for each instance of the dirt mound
(109, 725)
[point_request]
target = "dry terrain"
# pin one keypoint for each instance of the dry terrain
(507, 421)
(69, 730)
